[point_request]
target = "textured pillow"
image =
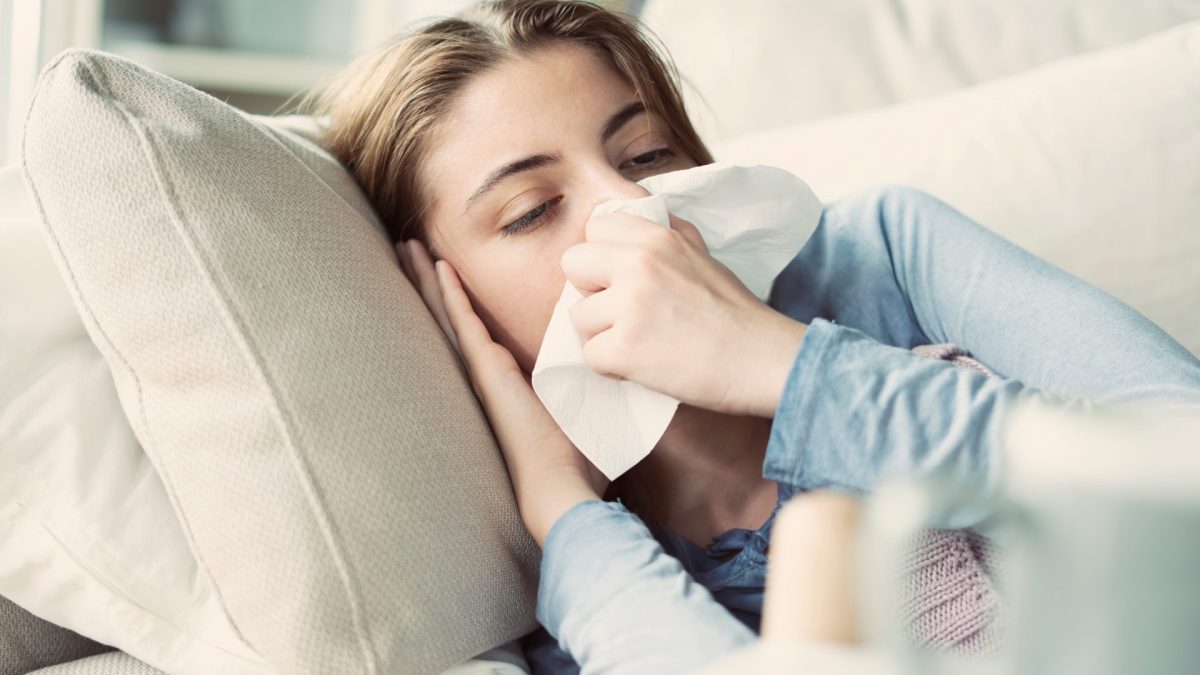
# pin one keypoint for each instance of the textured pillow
(315, 434)
(752, 66)
(1089, 162)
(112, 663)
(88, 537)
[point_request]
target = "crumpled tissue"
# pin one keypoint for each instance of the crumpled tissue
(754, 220)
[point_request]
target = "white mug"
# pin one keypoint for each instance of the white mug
(1098, 519)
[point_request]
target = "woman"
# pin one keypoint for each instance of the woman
(484, 142)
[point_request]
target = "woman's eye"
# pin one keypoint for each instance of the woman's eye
(531, 218)
(650, 160)
(647, 160)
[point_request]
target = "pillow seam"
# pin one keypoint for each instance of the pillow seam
(90, 314)
(222, 296)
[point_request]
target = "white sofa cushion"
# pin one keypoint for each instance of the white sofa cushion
(1089, 162)
(752, 66)
(90, 540)
(307, 421)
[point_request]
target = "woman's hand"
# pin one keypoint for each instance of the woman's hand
(659, 310)
(549, 475)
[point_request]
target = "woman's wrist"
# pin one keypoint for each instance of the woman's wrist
(779, 342)
(553, 497)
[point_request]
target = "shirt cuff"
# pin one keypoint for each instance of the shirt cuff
(617, 602)
(564, 546)
(855, 411)
(789, 430)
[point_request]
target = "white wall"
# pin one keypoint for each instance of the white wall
(31, 33)
(6, 69)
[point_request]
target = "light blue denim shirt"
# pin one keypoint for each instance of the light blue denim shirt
(885, 270)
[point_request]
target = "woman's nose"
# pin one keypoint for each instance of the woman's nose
(614, 185)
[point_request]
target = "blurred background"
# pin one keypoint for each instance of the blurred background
(253, 54)
(1017, 112)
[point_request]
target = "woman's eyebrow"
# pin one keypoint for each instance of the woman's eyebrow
(525, 164)
(618, 120)
(612, 126)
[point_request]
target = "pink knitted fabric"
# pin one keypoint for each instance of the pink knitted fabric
(948, 351)
(947, 593)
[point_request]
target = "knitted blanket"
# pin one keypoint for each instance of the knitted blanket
(948, 596)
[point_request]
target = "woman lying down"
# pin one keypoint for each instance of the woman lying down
(485, 141)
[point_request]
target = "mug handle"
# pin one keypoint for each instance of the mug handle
(897, 511)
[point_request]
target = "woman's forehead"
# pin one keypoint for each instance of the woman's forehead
(555, 84)
(529, 104)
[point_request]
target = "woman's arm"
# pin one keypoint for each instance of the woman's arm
(618, 603)
(608, 592)
(894, 268)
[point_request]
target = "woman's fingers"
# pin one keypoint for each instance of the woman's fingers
(466, 324)
(688, 230)
(427, 280)
(548, 473)
(594, 313)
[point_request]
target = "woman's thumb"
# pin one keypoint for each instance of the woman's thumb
(688, 230)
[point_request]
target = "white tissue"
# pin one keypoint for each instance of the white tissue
(754, 220)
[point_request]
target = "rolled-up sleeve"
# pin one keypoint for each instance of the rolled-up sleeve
(855, 411)
(894, 268)
(618, 603)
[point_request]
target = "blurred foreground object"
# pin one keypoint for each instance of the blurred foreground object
(1098, 516)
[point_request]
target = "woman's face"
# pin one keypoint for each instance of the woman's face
(528, 149)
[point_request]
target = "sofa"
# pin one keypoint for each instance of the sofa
(162, 511)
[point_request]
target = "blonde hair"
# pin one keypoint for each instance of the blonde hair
(388, 103)
(383, 108)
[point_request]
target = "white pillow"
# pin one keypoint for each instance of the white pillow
(89, 538)
(1090, 162)
(757, 65)
(100, 550)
